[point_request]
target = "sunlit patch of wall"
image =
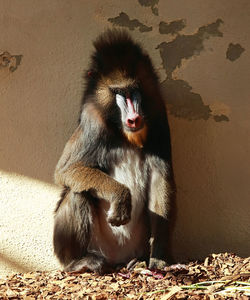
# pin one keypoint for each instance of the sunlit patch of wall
(26, 223)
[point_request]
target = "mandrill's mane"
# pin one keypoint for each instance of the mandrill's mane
(115, 50)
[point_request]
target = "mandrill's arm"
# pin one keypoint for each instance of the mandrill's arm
(161, 192)
(72, 173)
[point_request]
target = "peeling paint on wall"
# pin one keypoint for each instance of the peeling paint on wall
(186, 46)
(172, 28)
(183, 103)
(234, 51)
(124, 21)
(9, 61)
(152, 4)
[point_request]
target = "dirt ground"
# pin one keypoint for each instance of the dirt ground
(219, 276)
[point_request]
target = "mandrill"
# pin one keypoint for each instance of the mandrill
(116, 169)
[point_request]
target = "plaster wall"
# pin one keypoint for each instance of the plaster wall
(200, 50)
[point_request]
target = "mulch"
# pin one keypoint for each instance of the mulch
(219, 276)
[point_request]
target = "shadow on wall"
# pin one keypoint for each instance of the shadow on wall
(12, 264)
(195, 176)
(212, 206)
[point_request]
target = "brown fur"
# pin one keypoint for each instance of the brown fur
(137, 138)
(116, 79)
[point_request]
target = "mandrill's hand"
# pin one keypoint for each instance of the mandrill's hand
(120, 208)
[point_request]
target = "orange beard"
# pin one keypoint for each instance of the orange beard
(137, 138)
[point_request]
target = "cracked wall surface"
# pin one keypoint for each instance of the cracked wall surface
(200, 50)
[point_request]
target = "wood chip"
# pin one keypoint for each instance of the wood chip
(211, 279)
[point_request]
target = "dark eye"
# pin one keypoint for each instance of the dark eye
(136, 94)
(117, 92)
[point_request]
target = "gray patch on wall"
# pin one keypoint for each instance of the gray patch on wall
(10, 61)
(172, 28)
(186, 46)
(123, 20)
(185, 104)
(234, 51)
(181, 101)
(152, 4)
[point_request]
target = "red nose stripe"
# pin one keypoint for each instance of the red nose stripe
(133, 119)
(130, 105)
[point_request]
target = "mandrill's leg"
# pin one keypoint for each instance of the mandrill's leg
(72, 231)
(161, 191)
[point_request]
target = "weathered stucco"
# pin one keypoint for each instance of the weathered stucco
(200, 50)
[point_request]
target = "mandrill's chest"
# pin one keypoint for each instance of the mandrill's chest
(123, 243)
(132, 170)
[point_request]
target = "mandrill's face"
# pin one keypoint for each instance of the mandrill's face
(129, 101)
(121, 96)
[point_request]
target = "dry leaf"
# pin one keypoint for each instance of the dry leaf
(174, 290)
(139, 283)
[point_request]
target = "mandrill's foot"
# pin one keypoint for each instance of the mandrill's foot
(131, 265)
(157, 264)
(136, 263)
(91, 262)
